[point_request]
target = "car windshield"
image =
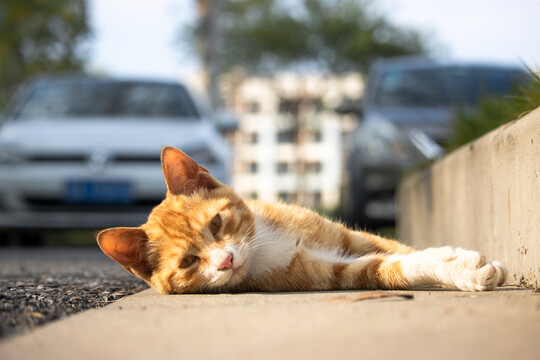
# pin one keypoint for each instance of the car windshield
(448, 86)
(88, 98)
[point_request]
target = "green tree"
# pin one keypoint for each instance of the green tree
(38, 36)
(338, 35)
(264, 35)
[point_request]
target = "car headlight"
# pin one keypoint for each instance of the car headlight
(382, 139)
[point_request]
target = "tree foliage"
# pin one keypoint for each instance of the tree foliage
(37, 36)
(340, 35)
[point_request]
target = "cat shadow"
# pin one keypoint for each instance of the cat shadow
(503, 288)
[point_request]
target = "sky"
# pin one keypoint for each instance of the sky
(139, 37)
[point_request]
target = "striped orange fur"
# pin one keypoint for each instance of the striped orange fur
(205, 238)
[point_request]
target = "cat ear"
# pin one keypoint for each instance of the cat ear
(182, 174)
(127, 247)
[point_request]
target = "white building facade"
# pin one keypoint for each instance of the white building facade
(289, 146)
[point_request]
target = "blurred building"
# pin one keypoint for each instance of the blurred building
(290, 143)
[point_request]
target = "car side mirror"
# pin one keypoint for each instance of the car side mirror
(226, 122)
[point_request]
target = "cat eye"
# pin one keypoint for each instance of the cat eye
(215, 224)
(188, 261)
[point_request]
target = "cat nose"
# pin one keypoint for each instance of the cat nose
(226, 264)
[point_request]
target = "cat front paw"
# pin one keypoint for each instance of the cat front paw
(472, 272)
(502, 272)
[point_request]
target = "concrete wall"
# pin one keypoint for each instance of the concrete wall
(484, 196)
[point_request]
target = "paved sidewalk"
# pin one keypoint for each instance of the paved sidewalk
(502, 324)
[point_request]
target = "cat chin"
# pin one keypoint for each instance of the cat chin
(230, 277)
(238, 275)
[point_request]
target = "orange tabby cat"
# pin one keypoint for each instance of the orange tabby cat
(205, 238)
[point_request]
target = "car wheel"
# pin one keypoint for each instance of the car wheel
(31, 238)
(5, 238)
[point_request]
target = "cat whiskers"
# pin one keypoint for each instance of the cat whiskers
(249, 233)
(254, 240)
(252, 247)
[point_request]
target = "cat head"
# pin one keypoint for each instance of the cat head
(196, 240)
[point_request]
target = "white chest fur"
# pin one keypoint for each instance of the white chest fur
(271, 248)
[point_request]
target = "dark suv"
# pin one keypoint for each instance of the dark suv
(407, 110)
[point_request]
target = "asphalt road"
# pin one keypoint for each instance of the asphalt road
(39, 285)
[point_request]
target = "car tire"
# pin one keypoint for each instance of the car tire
(31, 238)
(5, 238)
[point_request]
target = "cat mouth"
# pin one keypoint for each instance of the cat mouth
(237, 273)
(233, 270)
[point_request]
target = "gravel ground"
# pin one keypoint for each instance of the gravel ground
(39, 285)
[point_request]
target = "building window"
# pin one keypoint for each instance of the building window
(317, 197)
(313, 199)
(318, 105)
(252, 168)
(287, 136)
(288, 197)
(252, 138)
(282, 168)
(313, 136)
(288, 106)
(313, 167)
(253, 107)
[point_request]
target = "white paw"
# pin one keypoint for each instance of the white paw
(470, 271)
(502, 273)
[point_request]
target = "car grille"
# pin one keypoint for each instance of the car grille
(136, 159)
(56, 158)
(44, 158)
(52, 205)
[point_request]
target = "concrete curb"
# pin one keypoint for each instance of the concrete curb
(484, 196)
(436, 324)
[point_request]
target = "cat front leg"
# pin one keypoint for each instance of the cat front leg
(449, 267)
(458, 268)
(363, 243)
(316, 269)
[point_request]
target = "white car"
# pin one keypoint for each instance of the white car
(83, 152)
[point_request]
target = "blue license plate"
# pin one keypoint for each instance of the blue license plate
(98, 192)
